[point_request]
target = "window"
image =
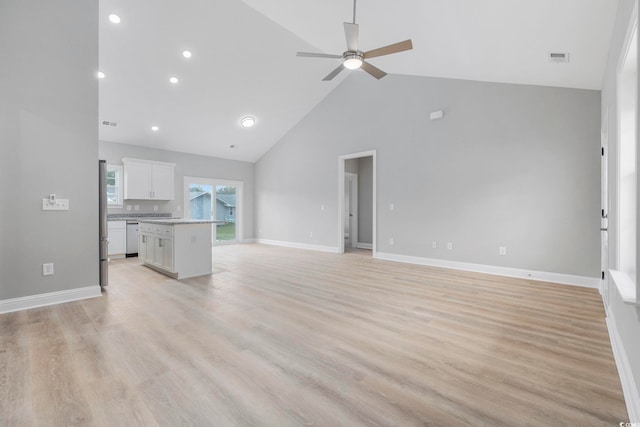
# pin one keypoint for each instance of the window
(625, 273)
(114, 185)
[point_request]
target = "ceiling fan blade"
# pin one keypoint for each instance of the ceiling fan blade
(388, 50)
(374, 71)
(352, 33)
(318, 55)
(334, 73)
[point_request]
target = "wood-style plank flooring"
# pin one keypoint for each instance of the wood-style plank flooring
(285, 337)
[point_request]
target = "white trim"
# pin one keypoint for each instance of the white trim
(341, 167)
(251, 240)
(295, 245)
(626, 287)
(364, 245)
(565, 279)
(629, 388)
(50, 298)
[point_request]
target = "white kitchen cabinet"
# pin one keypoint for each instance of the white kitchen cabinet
(148, 180)
(163, 253)
(156, 246)
(142, 246)
(117, 234)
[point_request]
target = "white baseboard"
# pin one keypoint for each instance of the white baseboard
(629, 388)
(251, 240)
(565, 279)
(50, 298)
(364, 245)
(295, 245)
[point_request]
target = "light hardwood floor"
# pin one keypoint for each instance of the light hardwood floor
(285, 337)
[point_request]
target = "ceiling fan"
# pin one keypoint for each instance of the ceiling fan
(354, 58)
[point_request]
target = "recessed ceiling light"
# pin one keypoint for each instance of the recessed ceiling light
(114, 18)
(173, 80)
(155, 128)
(186, 53)
(100, 75)
(247, 121)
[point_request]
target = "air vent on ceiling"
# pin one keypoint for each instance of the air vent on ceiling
(559, 56)
(108, 123)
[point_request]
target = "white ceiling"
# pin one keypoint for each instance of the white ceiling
(244, 59)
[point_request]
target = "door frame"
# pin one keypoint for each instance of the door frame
(604, 203)
(239, 203)
(341, 179)
(353, 203)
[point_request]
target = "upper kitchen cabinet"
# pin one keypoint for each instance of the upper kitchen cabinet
(148, 180)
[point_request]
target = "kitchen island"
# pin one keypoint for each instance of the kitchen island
(177, 247)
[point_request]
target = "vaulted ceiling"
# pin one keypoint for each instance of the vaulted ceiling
(243, 59)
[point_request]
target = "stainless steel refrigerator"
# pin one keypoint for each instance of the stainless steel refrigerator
(104, 238)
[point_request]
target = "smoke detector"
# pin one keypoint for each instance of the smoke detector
(558, 56)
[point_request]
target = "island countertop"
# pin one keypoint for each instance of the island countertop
(179, 221)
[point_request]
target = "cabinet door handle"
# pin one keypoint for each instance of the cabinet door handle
(159, 243)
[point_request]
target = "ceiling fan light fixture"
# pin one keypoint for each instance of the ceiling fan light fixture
(352, 61)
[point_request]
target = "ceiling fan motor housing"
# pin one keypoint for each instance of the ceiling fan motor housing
(352, 59)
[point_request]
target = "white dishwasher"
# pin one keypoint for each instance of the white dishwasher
(132, 238)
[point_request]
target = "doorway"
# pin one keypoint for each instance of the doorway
(219, 200)
(351, 209)
(357, 201)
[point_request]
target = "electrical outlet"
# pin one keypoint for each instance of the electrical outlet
(391, 207)
(322, 207)
(449, 246)
(391, 241)
(136, 207)
(311, 234)
(128, 207)
(503, 250)
(47, 269)
(434, 245)
(178, 208)
(155, 208)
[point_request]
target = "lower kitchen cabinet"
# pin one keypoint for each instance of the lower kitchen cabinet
(117, 234)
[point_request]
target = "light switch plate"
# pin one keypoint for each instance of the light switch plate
(47, 269)
(55, 205)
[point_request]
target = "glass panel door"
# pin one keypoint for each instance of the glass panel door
(226, 210)
(218, 200)
(200, 201)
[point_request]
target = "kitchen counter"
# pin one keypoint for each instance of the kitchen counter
(178, 221)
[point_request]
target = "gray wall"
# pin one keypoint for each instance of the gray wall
(627, 318)
(508, 165)
(186, 165)
(48, 144)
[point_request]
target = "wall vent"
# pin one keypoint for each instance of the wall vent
(558, 56)
(108, 123)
